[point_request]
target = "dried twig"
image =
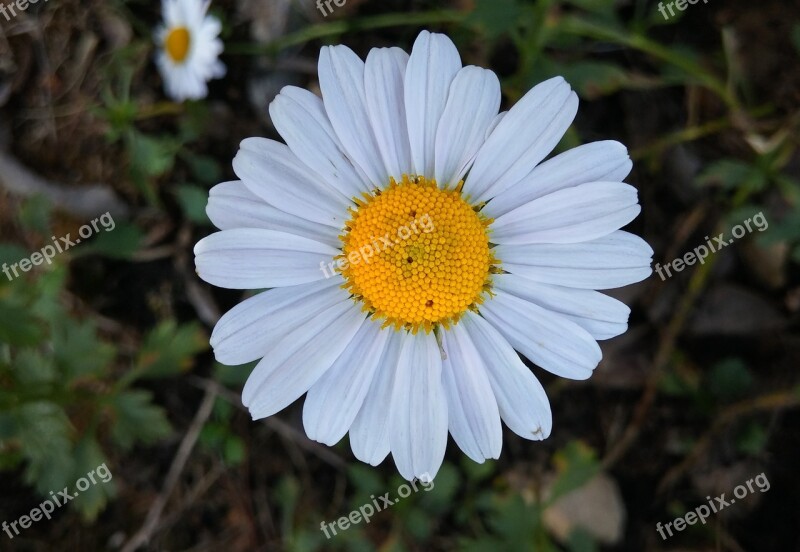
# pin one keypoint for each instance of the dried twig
(151, 523)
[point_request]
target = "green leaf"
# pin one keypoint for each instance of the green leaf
(34, 214)
(169, 349)
(31, 368)
(597, 7)
(137, 419)
(796, 37)
(151, 157)
(591, 79)
(730, 379)
(89, 460)
(235, 450)
(204, 168)
(477, 472)
(495, 17)
(732, 174)
(44, 434)
(193, 201)
(11, 253)
(18, 327)
(233, 376)
(77, 350)
(581, 541)
(439, 494)
(752, 439)
(120, 243)
(577, 465)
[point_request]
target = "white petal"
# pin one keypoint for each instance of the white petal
(520, 397)
(612, 261)
(433, 64)
(602, 316)
(384, 75)
(472, 105)
(250, 258)
(576, 214)
(299, 116)
(290, 370)
(525, 136)
(605, 161)
(418, 416)
(232, 205)
(472, 412)
(250, 329)
(369, 434)
(495, 122)
(271, 171)
(548, 339)
(334, 401)
(341, 78)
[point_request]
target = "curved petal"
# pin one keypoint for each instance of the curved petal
(341, 78)
(473, 415)
(291, 369)
(520, 397)
(369, 433)
(472, 106)
(249, 330)
(530, 131)
(602, 316)
(576, 214)
(418, 416)
(612, 261)
(232, 205)
(384, 74)
(250, 258)
(548, 339)
(271, 171)
(432, 66)
(299, 116)
(334, 401)
(605, 161)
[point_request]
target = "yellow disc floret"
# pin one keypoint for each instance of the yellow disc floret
(415, 255)
(177, 44)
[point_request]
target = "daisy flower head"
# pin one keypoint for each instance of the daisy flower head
(189, 48)
(414, 242)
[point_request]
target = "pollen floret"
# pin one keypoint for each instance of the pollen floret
(422, 254)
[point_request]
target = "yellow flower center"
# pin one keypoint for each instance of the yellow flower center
(177, 44)
(416, 256)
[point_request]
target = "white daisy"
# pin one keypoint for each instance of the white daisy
(419, 338)
(189, 48)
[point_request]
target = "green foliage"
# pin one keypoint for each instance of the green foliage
(125, 240)
(168, 349)
(576, 465)
(495, 17)
(218, 437)
(193, 201)
(60, 392)
(730, 379)
(34, 214)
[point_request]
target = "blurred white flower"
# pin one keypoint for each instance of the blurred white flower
(189, 48)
